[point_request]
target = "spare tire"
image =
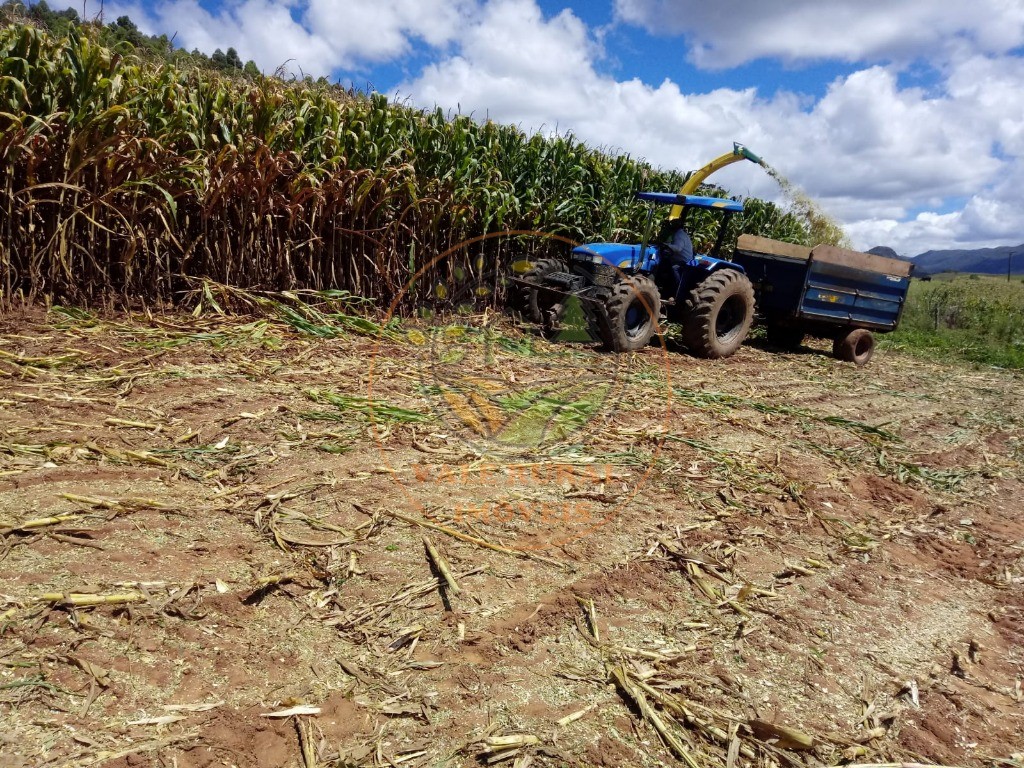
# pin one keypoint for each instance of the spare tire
(857, 346)
(720, 311)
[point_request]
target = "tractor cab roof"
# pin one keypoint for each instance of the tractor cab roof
(671, 198)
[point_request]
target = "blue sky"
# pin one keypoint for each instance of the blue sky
(904, 120)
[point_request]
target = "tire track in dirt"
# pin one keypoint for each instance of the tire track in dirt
(843, 579)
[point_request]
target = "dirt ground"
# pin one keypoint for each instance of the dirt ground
(212, 551)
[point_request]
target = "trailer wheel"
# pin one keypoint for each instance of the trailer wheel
(857, 346)
(720, 312)
(785, 337)
(543, 306)
(632, 307)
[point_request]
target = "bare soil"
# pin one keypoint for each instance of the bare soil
(703, 547)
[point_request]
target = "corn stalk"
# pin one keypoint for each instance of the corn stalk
(124, 180)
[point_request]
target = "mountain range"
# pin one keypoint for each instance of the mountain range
(986, 261)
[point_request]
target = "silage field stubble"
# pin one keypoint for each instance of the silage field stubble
(273, 539)
(294, 534)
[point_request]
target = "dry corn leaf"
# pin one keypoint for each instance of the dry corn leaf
(301, 709)
(780, 735)
(98, 673)
(205, 707)
(161, 720)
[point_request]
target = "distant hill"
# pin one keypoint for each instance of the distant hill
(986, 261)
(881, 250)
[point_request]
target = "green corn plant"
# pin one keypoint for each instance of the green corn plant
(123, 180)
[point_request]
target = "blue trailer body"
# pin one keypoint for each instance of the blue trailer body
(853, 297)
(824, 290)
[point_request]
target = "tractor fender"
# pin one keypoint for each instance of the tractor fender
(709, 264)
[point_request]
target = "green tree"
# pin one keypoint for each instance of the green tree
(124, 29)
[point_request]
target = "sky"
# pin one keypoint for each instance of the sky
(904, 120)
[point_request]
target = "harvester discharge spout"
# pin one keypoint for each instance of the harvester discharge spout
(695, 178)
(739, 149)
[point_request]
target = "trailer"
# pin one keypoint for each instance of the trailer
(627, 290)
(826, 292)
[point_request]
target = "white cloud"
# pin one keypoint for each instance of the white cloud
(722, 35)
(878, 141)
(989, 218)
(362, 31)
(313, 37)
(262, 30)
(869, 150)
(993, 86)
(926, 231)
(884, 159)
(515, 65)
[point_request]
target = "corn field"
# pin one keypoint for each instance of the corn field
(127, 182)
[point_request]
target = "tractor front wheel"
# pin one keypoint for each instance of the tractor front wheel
(720, 311)
(632, 308)
(857, 346)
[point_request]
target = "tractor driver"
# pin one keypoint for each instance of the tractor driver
(678, 250)
(677, 242)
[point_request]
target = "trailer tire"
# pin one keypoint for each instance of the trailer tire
(632, 309)
(785, 337)
(857, 346)
(720, 311)
(542, 306)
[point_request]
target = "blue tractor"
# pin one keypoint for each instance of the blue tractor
(626, 290)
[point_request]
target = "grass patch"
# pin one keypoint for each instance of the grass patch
(956, 344)
(975, 318)
(376, 411)
(543, 413)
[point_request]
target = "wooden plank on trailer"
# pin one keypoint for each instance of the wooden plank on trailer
(775, 247)
(831, 254)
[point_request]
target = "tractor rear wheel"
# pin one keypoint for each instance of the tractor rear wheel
(857, 346)
(785, 337)
(543, 306)
(633, 307)
(720, 311)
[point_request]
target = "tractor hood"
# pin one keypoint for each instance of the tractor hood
(620, 255)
